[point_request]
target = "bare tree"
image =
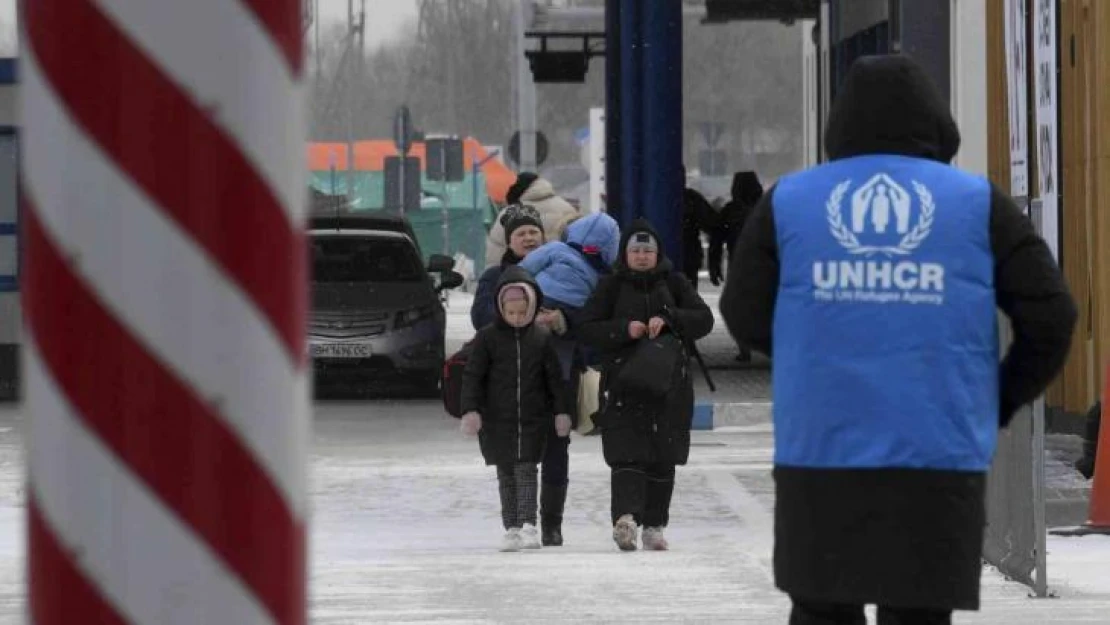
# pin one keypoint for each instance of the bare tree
(450, 67)
(453, 67)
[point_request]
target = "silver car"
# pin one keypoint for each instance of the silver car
(377, 319)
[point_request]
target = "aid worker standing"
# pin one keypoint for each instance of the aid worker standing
(873, 280)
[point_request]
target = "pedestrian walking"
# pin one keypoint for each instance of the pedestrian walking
(746, 193)
(747, 190)
(512, 396)
(567, 273)
(643, 320)
(698, 217)
(873, 280)
(522, 226)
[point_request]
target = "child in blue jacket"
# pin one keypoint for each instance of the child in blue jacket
(567, 271)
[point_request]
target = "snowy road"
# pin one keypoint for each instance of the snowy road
(405, 529)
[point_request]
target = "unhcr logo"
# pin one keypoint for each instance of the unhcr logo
(882, 222)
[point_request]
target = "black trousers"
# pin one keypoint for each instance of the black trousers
(556, 455)
(644, 491)
(820, 613)
(556, 461)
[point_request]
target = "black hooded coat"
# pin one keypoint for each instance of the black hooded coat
(635, 430)
(746, 193)
(514, 381)
(893, 536)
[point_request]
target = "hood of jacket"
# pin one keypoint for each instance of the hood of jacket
(662, 268)
(599, 231)
(888, 105)
(516, 276)
(538, 191)
(746, 187)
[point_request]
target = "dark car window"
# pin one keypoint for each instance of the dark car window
(364, 259)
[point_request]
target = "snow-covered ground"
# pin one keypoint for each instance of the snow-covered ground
(405, 528)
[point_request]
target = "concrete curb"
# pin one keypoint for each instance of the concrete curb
(711, 416)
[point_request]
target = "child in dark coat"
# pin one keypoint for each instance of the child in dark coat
(512, 389)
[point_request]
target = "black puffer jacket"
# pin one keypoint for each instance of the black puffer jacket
(635, 430)
(513, 379)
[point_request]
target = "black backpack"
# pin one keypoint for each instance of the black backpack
(453, 379)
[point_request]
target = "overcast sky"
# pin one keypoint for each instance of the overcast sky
(383, 19)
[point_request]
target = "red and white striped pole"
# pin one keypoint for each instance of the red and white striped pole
(165, 302)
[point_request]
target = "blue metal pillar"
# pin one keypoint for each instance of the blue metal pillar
(661, 140)
(613, 115)
(631, 102)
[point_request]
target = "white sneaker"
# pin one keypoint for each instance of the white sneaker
(654, 540)
(529, 537)
(511, 540)
(624, 533)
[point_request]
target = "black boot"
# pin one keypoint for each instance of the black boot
(1086, 464)
(552, 500)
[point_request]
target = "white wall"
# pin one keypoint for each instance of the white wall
(969, 82)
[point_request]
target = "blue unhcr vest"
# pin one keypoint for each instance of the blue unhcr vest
(885, 332)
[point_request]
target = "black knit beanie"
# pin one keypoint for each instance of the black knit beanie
(523, 181)
(517, 215)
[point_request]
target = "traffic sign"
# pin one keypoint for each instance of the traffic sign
(541, 148)
(402, 130)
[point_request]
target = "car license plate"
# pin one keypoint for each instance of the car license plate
(341, 350)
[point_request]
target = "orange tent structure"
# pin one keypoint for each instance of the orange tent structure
(370, 156)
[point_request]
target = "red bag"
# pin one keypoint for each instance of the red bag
(453, 380)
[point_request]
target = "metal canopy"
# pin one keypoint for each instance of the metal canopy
(719, 11)
(709, 11)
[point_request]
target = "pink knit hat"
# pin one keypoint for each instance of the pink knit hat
(514, 294)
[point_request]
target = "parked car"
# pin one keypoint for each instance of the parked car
(377, 319)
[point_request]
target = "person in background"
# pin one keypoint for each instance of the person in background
(746, 193)
(698, 216)
(567, 272)
(530, 190)
(889, 392)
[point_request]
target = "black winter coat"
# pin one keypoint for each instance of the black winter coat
(635, 430)
(514, 381)
(746, 193)
(698, 216)
(893, 536)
